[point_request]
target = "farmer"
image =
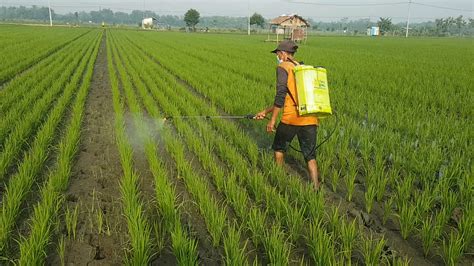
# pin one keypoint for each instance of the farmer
(291, 123)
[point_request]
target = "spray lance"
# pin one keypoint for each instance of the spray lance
(248, 116)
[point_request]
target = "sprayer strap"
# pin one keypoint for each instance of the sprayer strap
(291, 96)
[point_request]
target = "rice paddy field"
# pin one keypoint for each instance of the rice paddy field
(91, 172)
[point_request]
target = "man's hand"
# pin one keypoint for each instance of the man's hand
(261, 115)
(271, 126)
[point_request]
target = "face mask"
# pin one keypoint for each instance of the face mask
(279, 61)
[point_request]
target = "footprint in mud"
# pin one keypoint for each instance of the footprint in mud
(99, 253)
(71, 198)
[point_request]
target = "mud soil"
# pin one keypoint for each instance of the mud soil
(94, 184)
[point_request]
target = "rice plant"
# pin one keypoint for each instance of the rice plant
(372, 250)
(234, 253)
(387, 210)
(277, 247)
(256, 224)
(428, 234)
(407, 219)
(370, 195)
(348, 236)
(184, 249)
(61, 249)
(351, 176)
(321, 244)
(452, 248)
(71, 217)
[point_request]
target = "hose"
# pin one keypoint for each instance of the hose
(322, 142)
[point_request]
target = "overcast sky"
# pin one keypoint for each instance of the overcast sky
(324, 10)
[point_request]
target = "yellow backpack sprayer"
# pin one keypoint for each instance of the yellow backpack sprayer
(312, 91)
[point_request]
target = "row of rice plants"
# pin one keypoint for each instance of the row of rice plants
(379, 186)
(18, 129)
(165, 192)
(184, 247)
(18, 51)
(316, 205)
(234, 253)
(34, 159)
(139, 230)
(242, 64)
(213, 214)
(46, 213)
(212, 61)
(19, 101)
(17, 86)
(208, 135)
(349, 239)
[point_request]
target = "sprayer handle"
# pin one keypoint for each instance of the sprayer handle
(250, 116)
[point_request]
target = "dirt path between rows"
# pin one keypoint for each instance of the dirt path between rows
(94, 185)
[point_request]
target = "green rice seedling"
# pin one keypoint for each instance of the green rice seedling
(234, 253)
(449, 201)
(315, 202)
(256, 224)
(215, 218)
(370, 195)
(256, 185)
(424, 201)
(382, 181)
(428, 234)
(452, 248)
(441, 219)
(387, 210)
(348, 236)
(184, 248)
(372, 250)
(350, 181)
(237, 196)
(407, 219)
(324, 169)
(159, 231)
(61, 249)
(71, 221)
(295, 221)
(100, 221)
(404, 189)
(335, 179)
(466, 227)
(278, 249)
(334, 220)
(321, 244)
(278, 203)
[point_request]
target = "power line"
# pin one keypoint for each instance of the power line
(345, 4)
(443, 7)
(375, 4)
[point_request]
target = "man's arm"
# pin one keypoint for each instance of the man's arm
(279, 102)
(281, 91)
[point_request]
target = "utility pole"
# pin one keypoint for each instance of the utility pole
(248, 17)
(408, 19)
(50, 17)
